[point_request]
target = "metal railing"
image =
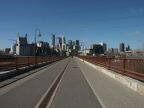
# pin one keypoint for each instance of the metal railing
(11, 63)
(130, 67)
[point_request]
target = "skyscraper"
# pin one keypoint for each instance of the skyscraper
(22, 47)
(13, 48)
(122, 47)
(77, 42)
(59, 40)
(128, 48)
(97, 48)
(63, 40)
(63, 43)
(53, 40)
(77, 45)
(70, 44)
(104, 45)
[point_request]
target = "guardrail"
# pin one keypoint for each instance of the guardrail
(15, 63)
(133, 68)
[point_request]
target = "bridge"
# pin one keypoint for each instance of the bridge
(77, 82)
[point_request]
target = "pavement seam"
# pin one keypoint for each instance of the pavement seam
(55, 91)
(44, 102)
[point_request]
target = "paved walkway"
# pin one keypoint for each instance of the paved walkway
(74, 91)
(81, 87)
(27, 92)
(111, 93)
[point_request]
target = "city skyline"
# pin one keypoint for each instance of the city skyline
(56, 37)
(89, 21)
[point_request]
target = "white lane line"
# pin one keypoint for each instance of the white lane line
(54, 92)
(91, 86)
(8, 88)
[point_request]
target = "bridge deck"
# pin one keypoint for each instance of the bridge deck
(74, 91)
(111, 93)
(80, 87)
(27, 92)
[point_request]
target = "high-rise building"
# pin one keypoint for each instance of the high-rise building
(53, 40)
(70, 45)
(59, 43)
(77, 43)
(43, 48)
(104, 45)
(59, 40)
(73, 43)
(63, 40)
(13, 48)
(63, 43)
(64, 47)
(97, 49)
(113, 51)
(122, 47)
(22, 47)
(128, 48)
(70, 42)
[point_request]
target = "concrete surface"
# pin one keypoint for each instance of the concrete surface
(26, 92)
(134, 84)
(74, 91)
(110, 92)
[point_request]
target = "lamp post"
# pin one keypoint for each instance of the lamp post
(39, 35)
(82, 44)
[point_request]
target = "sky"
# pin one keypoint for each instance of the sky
(90, 21)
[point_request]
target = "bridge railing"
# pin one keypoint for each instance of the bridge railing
(130, 67)
(11, 63)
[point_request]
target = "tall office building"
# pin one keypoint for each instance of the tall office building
(70, 45)
(22, 47)
(63, 43)
(77, 43)
(104, 45)
(97, 48)
(59, 40)
(13, 48)
(113, 51)
(53, 40)
(63, 40)
(70, 42)
(122, 47)
(128, 48)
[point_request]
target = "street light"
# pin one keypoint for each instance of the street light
(82, 44)
(39, 35)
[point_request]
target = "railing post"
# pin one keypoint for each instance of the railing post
(35, 58)
(16, 63)
(28, 61)
(109, 63)
(124, 64)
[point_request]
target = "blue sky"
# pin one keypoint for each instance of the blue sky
(90, 21)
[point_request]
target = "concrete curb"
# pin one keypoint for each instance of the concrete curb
(129, 82)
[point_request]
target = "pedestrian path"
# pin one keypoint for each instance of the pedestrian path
(110, 93)
(74, 91)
